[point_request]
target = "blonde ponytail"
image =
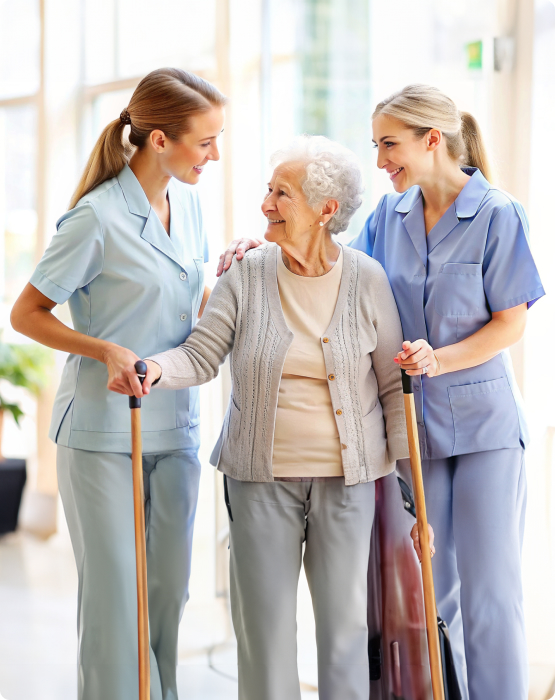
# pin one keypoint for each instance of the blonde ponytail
(476, 154)
(423, 107)
(165, 99)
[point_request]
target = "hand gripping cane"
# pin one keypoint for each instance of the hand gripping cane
(422, 522)
(140, 543)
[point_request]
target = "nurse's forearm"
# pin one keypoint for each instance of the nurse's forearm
(505, 329)
(32, 316)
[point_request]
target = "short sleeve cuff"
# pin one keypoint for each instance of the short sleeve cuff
(49, 288)
(529, 298)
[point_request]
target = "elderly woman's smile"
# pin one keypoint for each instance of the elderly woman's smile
(286, 206)
(313, 191)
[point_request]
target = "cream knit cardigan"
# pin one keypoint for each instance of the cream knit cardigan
(243, 318)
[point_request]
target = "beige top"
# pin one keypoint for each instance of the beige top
(306, 439)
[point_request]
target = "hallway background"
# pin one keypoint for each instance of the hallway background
(68, 67)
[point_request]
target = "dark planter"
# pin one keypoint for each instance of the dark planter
(13, 474)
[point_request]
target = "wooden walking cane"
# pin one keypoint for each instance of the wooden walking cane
(422, 522)
(140, 538)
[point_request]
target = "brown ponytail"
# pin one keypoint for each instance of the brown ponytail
(476, 155)
(165, 99)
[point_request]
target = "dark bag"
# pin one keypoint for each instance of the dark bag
(13, 475)
(398, 648)
(450, 682)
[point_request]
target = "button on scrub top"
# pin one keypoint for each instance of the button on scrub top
(128, 282)
(475, 261)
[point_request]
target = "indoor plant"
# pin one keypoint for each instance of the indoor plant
(26, 366)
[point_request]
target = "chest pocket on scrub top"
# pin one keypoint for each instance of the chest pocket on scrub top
(459, 289)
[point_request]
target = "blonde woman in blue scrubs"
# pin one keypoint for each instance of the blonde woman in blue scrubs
(128, 257)
(457, 255)
(456, 251)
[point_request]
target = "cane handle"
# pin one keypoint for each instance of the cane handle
(140, 368)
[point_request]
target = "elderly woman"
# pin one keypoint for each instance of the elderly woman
(315, 417)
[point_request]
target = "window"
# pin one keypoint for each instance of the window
(19, 48)
(128, 38)
(18, 215)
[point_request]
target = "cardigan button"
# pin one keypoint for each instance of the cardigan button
(325, 340)
(331, 377)
(339, 412)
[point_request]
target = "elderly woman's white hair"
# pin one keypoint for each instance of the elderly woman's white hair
(332, 172)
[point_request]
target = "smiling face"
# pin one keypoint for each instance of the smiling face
(186, 157)
(407, 159)
(286, 207)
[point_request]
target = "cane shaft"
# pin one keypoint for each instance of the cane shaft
(140, 554)
(427, 576)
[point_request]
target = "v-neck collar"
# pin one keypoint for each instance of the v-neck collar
(414, 224)
(465, 206)
(177, 221)
(157, 235)
(472, 194)
(153, 231)
(442, 227)
(135, 197)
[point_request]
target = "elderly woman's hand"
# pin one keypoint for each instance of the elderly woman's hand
(416, 541)
(153, 373)
(418, 358)
(237, 247)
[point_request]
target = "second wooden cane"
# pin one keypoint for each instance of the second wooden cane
(422, 522)
(140, 538)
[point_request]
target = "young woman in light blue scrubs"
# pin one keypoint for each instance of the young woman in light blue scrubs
(457, 254)
(128, 257)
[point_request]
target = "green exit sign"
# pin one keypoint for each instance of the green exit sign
(474, 55)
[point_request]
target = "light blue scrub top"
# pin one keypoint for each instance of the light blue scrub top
(476, 260)
(127, 282)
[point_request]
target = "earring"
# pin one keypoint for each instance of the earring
(321, 223)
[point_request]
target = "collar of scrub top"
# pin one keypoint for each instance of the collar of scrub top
(464, 207)
(153, 231)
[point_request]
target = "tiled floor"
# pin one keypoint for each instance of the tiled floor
(38, 587)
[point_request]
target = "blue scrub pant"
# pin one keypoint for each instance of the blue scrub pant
(97, 493)
(476, 506)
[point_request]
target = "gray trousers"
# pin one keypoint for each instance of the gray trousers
(476, 505)
(97, 494)
(270, 522)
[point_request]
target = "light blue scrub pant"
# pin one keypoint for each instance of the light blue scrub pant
(476, 505)
(97, 494)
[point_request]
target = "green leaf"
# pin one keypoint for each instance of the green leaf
(27, 366)
(12, 408)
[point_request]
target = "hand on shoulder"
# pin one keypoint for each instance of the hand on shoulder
(238, 248)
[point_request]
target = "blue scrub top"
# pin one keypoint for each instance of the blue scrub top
(128, 282)
(475, 260)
